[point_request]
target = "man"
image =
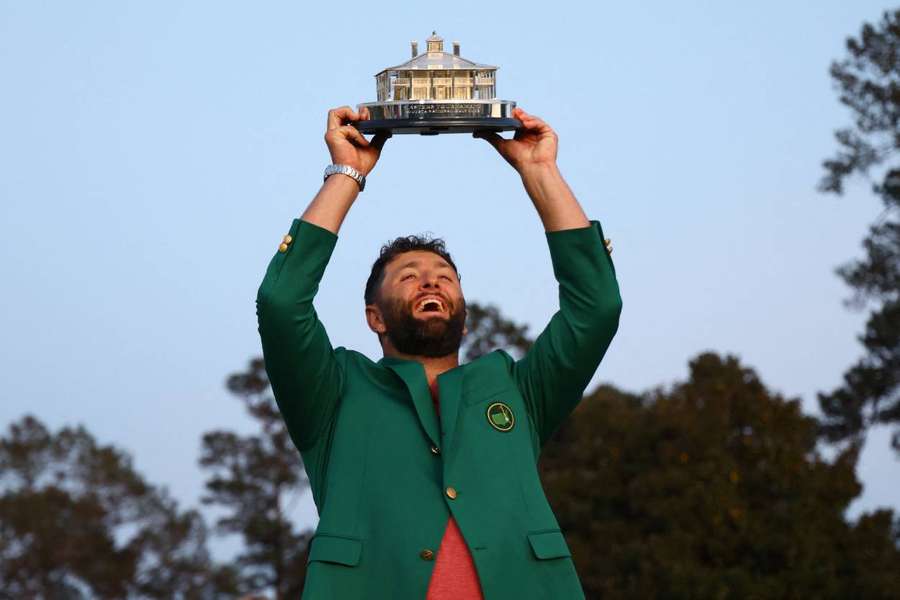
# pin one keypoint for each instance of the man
(424, 471)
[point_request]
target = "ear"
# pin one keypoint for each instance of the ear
(465, 323)
(374, 319)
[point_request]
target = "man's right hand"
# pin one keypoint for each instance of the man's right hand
(347, 145)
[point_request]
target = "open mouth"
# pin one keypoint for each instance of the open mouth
(429, 304)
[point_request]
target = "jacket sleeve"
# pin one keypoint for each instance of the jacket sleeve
(303, 369)
(553, 374)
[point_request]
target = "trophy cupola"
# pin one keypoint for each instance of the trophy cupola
(435, 43)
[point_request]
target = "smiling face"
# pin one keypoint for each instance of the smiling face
(419, 306)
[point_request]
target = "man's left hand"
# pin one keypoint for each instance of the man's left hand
(533, 145)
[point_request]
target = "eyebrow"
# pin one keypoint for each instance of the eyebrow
(415, 263)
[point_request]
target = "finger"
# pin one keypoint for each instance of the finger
(523, 116)
(490, 137)
(380, 138)
(338, 116)
(531, 121)
(364, 113)
(535, 126)
(353, 134)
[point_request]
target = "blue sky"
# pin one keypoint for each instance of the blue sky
(155, 153)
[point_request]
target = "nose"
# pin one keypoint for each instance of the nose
(430, 280)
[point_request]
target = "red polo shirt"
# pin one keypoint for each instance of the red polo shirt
(454, 576)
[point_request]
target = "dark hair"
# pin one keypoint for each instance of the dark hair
(398, 246)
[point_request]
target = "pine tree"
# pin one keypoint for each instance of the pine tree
(868, 79)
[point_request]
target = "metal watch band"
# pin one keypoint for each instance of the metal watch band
(348, 171)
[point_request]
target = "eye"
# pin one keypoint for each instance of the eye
(447, 277)
(407, 276)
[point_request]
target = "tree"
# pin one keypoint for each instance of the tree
(255, 478)
(488, 330)
(77, 520)
(713, 489)
(869, 83)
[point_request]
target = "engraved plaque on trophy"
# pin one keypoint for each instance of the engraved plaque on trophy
(437, 92)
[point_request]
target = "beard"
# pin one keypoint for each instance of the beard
(430, 336)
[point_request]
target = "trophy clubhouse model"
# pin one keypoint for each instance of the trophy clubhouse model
(437, 92)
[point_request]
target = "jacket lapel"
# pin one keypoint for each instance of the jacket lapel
(413, 375)
(450, 390)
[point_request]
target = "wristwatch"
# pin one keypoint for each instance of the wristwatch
(348, 171)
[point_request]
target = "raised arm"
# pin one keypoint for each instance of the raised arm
(552, 376)
(532, 153)
(347, 146)
(302, 366)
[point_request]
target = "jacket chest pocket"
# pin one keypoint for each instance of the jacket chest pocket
(335, 549)
(505, 391)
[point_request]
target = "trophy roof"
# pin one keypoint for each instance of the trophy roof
(438, 60)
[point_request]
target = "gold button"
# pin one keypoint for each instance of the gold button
(288, 239)
(283, 248)
(451, 493)
(608, 243)
(435, 450)
(426, 554)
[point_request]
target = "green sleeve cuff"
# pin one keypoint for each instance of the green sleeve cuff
(296, 271)
(574, 252)
(306, 232)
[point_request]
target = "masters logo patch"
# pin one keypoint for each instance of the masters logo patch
(500, 416)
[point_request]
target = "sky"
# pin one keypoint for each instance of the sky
(155, 153)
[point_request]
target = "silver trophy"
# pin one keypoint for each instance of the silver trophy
(437, 92)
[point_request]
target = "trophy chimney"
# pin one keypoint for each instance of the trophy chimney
(415, 48)
(455, 48)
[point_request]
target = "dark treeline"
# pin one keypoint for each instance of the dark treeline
(712, 488)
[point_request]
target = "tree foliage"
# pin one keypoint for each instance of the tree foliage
(77, 520)
(713, 489)
(255, 478)
(488, 330)
(868, 80)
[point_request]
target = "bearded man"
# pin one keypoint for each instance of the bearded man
(424, 471)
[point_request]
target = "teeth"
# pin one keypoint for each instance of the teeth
(421, 305)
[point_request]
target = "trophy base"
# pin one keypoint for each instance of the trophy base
(430, 117)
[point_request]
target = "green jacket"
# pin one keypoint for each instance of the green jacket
(385, 474)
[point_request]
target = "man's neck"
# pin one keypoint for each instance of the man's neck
(434, 366)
